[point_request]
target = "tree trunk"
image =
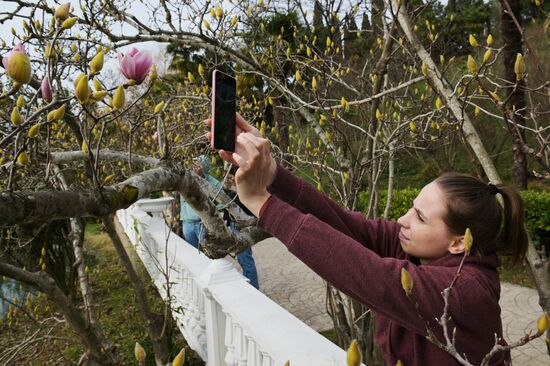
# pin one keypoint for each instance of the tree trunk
(511, 28)
(77, 238)
(154, 321)
(451, 6)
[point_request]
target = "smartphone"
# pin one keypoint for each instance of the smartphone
(224, 100)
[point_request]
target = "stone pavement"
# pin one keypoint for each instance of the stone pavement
(295, 287)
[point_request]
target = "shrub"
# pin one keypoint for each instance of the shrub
(537, 216)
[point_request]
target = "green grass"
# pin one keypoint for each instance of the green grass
(330, 335)
(518, 274)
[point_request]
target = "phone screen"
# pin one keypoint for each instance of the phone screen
(224, 105)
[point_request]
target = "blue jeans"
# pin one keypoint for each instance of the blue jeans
(193, 234)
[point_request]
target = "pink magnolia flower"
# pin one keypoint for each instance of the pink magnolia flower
(46, 89)
(135, 64)
(17, 64)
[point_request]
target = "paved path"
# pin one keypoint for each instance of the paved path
(295, 287)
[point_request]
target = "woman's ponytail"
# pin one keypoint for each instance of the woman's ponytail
(513, 234)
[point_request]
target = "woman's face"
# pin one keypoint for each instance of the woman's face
(423, 232)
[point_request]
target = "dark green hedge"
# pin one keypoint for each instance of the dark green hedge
(537, 215)
(537, 210)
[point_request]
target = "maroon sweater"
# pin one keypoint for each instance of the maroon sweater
(363, 258)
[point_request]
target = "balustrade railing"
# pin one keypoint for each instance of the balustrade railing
(224, 319)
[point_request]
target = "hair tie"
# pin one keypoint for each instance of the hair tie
(493, 189)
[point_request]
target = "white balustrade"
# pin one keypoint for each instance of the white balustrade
(224, 319)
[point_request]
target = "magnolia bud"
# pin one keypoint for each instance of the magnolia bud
(118, 98)
(219, 11)
(519, 66)
(109, 178)
(354, 355)
(487, 55)
(343, 102)
(159, 107)
(472, 66)
(84, 148)
(489, 40)
(82, 90)
(179, 359)
(62, 12)
(20, 101)
(406, 281)
(15, 116)
(190, 77)
(424, 69)
(201, 70)
(99, 95)
(298, 75)
(472, 40)
(153, 73)
(97, 62)
(19, 67)
(542, 323)
(50, 51)
(33, 131)
(46, 89)
(468, 240)
(97, 85)
(56, 114)
(139, 352)
(23, 158)
(438, 103)
(68, 23)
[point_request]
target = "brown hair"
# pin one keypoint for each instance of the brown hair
(472, 204)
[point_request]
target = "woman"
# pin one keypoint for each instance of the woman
(363, 258)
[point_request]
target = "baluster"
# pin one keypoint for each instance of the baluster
(253, 354)
(188, 300)
(202, 320)
(266, 359)
(240, 346)
(229, 341)
(178, 291)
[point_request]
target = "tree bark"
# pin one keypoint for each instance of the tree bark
(511, 29)
(38, 207)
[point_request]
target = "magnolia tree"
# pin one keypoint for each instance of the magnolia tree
(339, 101)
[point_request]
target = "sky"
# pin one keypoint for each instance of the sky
(6, 6)
(137, 8)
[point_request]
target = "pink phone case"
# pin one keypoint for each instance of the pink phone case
(213, 126)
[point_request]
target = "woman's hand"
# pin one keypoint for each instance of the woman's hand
(256, 172)
(257, 168)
